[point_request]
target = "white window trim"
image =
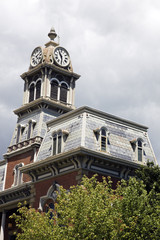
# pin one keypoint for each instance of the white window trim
(34, 83)
(33, 123)
(18, 138)
(57, 133)
(59, 88)
(18, 176)
(98, 132)
(135, 142)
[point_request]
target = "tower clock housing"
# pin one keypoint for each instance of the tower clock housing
(49, 86)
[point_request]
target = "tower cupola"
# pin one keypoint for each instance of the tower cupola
(49, 86)
(50, 76)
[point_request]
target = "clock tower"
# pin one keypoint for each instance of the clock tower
(49, 86)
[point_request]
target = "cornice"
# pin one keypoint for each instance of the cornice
(71, 156)
(22, 147)
(13, 195)
(42, 102)
(50, 66)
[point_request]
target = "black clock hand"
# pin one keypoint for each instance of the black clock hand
(60, 56)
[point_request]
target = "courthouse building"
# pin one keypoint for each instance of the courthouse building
(54, 143)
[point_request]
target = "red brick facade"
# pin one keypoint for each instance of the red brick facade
(42, 187)
(25, 158)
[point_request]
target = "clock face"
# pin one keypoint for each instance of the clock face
(61, 56)
(36, 56)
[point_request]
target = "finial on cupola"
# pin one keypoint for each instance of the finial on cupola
(52, 34)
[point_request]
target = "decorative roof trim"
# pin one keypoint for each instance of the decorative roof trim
(100, 114)
(78, 151)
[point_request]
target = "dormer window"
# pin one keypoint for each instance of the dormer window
(137, 146)
(102, 137)
(103, 140)
(31, 125)
(59, 139)
(140, 150)
(20, 130)
(57, 143)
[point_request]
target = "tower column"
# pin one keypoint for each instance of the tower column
(26, 93)
(3, 221)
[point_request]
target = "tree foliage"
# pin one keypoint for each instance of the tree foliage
(150, 174)
(93, 210)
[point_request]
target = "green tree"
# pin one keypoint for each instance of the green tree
(150, 174)
(93, 210)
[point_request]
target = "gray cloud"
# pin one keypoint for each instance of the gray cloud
(114, 45)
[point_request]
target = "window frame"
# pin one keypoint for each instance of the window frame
(140, 149)
(138, 146)
(63, 92)
(54, 80)
(58, 139)
(20, 130)
(101, 135)
(34, 84)
(61, 85)
(31, 126)
(18, 176)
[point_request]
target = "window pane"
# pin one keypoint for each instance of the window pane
(59, 144)
(38, 89)
(140, 154)
(31, 93)
(139, 143)
(63, 93)
(103, 143)
(103, 132)
(54, 90)
(54, 145)
(29, 130)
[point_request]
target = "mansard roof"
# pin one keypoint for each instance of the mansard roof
(81, 125)
(98, 113)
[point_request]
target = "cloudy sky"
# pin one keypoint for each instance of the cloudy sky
(114, 45)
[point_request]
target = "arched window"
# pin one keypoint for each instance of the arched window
(31, 125)
(140, 150)
(54, 90)
(49, 206)
(63, 92)
(57, 143)
(31, 93)
(38, 89)
(17, 174)
(103, 140)
(59, 139)
(20, 130)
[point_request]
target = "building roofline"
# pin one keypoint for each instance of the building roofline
(98, 113)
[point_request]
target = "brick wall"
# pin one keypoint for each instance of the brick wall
(42, 187)
(25, 158)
